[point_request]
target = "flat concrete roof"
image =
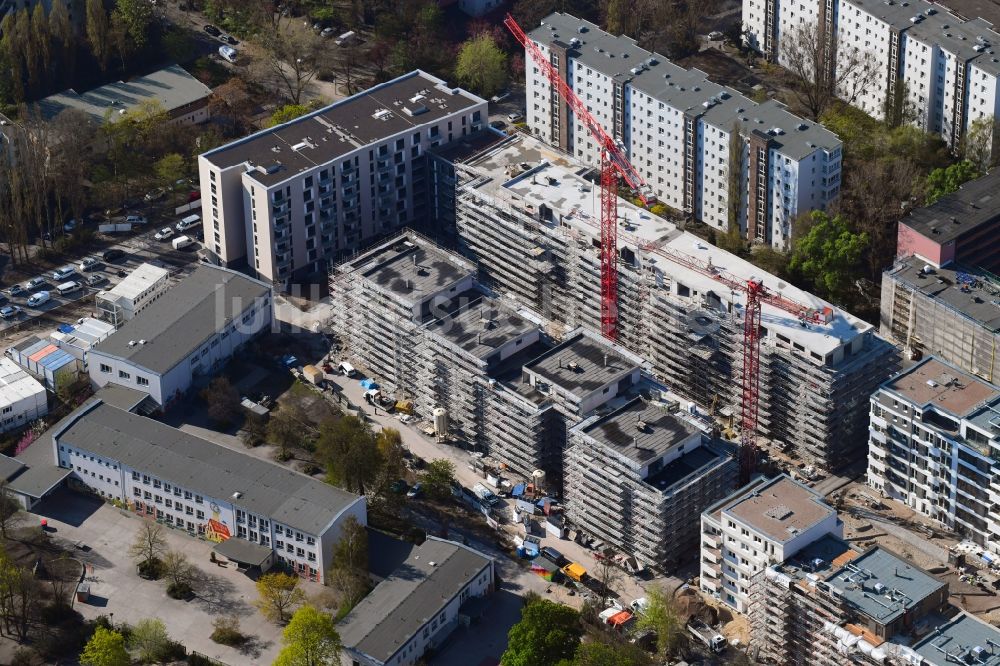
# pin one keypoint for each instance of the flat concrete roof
(883, 586)
(141, 278)
(932, 382)
(963, 290)
(974, 203)
(243, 551)
(684, 89)
(481, 326)
(16, 384)
(525, 174)
(122, 397)
(962, 640)
(406, 103)
(172, 87)
(780, 508)
(410, 598)
(660, 430)
(583, 363)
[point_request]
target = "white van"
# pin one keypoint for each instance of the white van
(188, 222)
(182, 242)
(346, 39)
(67, 288)
(228, 52)
(63, 273)
(38, 298)
(347, 369)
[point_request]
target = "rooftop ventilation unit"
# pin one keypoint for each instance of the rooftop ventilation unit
(382, 114)
(640, 426)
(916, 19)
(573, 365)
(880, 588)
(575, 42)
(237, 495)
(931, 11)
(414, 109)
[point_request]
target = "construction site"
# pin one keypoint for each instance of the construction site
(529, 217)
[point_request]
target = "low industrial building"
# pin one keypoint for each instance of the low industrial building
(181, 96)
(417, 607)
(934, 441)
(129, 297)
(638, 477)
(949, 312)
(193, 329)
(210, 491)
(22, 398)
(831, 604)
(764, 523)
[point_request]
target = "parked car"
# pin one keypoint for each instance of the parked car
(515, 117)
(97, 279)
(135, 219)
(112, 254)
(226, 38)
(182, 242)
(39, 298)
(194, 195)
(498, 125)
(554, 556)
(212, 30)
(70, 225)
(164, 234)
(188, 222)
(61, 274)
(16, 290)
(34, 283)
(228, 53)
(10, 311)
(499, 97)
(155, 195)
(715, 35)
(416, 491)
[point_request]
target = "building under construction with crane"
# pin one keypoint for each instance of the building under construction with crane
(529, 215)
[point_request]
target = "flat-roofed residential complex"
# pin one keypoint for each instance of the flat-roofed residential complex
(417, 607)
(761, 524)
(258, 508)
(192, 329)
(528, 215)
(934, 441)
(289, 199)
(638, 477)
(703, 148)
(920, 62)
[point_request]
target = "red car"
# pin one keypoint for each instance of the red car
(194, 196)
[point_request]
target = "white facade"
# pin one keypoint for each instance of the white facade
(929, 66)
(22, 397)
(756, 527)
(677, 127)
(289, 199)
(130, 296)
(934, 439)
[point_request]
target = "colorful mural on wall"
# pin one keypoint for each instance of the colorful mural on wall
(216, 529)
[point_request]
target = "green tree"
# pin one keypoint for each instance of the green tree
(597, 653)
(99, 32)
(278, 594)
(348, 574)
(347, 448)
(310, 639)
(546, 633)
(149, 640)
(945, 181)
(977, 144)
(288, 112)
(829, 256)
(287, 429)
(482, 66)
(137, 17)
(41, 37)
(169, 169)
(438, 478)
(660, 615)
(105, 648)
(222, 398)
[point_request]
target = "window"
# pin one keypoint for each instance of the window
(135, 476)
(141, 381)
(124, 375)
(105, 368)
(200, 515)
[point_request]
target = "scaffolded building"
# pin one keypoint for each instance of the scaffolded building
(527, 215)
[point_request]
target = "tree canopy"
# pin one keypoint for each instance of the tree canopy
(598, 653)
(946, 180)
(547, 633)
(660, 615)
(438, 478)
(347, 447)
(278, 595)
(105, 648)
(482, 66)
(828, 256)
(310, 639)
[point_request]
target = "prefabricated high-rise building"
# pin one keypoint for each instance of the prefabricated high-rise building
(528, 215)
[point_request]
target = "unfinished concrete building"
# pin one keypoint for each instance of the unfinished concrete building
(952, 313)
(529, 216)
(384, 296)
(638, 477)
(830, 604)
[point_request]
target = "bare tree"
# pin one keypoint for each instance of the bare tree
(149, 545)
(825, 69)
(291, 57)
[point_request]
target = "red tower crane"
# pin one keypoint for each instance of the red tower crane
(614, 163)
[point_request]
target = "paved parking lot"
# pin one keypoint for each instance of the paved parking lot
(116, 588)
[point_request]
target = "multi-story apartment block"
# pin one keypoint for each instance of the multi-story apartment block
(528, 216)
(206, 489)
(949, 312)
(831, 604)
(935, 446)
(703, 148)
(191, 329)
(763, 523)
(287, 200)
(921, 63)
(637, 477)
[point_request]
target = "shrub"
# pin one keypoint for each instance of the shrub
(150, 569)
(227, 631)
(24, 657)
(180, 591)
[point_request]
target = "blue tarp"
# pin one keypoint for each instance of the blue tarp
(518, 490)
(368, 384)
(65, 328)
